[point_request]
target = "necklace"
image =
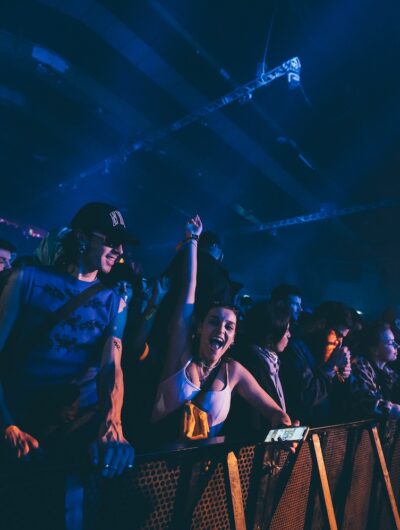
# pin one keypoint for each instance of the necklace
(207, 369)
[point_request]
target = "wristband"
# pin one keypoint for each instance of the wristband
(195, 237)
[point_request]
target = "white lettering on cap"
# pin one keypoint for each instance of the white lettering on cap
(117, 219)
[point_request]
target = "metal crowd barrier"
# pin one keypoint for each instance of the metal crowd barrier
(345, 476)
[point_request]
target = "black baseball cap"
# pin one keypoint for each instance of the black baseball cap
(6, 245)
(104, 218)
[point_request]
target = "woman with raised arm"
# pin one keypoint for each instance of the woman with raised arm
(192, 359)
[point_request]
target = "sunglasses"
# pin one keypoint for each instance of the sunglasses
(7, 261)
(107, 240)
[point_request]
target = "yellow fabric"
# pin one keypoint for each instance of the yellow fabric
(195, 422)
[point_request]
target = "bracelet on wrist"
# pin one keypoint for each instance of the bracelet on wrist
(195, 237)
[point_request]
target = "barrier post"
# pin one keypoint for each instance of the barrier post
(376, 443)
(235, 491)
(323, 479)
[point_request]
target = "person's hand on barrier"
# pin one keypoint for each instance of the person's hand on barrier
(22, 443)
(294, 445)
(285, 422)
(112, 452)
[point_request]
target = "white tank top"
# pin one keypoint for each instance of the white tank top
(176, 389)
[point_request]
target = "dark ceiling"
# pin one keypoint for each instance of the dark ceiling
(83, 80)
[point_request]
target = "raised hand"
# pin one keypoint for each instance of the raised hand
(194, 226)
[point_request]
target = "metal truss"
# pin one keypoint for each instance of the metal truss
(325, 213)
(290, 68)
(272, 226)
(26, 230)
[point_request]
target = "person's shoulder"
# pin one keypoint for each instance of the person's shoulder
(361, 364)
(232, 363)
(34, 271)
(235, 367)
(297, 346)
(43, 270)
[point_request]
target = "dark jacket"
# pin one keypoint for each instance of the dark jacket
(245, 422)
(307, 387)
(373, 390)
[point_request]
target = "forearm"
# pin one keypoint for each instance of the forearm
(252, 392)
(190, 272)
(111, 386)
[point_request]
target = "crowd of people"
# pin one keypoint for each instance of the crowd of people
(96, 360)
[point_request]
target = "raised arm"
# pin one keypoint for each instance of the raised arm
(111, 450)
(180, 330)
(246, 385)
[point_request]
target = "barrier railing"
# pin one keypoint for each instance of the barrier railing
(344, 476)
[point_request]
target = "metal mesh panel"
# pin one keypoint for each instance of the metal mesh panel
(358, 499)
(393, 457)
(157, 483)
(334, 445)
(144, 497)
(211, 512)
(390, 438)
(152, 495)
(291, 510)
(245, 465)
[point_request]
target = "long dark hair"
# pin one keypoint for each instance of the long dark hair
(265, 324)
(59, 248)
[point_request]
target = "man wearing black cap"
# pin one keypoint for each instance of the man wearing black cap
(60, 335)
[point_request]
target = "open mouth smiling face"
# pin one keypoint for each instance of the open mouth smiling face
(217, 343)
(217, 332)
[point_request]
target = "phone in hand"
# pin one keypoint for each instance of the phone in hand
(287, 434)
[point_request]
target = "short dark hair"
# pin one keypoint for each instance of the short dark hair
(335, 314)
(6, 245)
(282, 292)
(265, 323)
